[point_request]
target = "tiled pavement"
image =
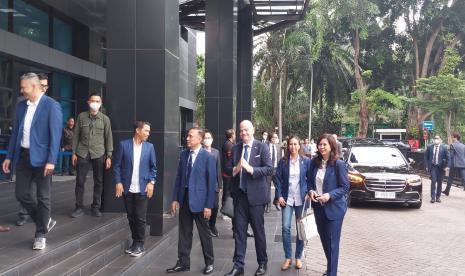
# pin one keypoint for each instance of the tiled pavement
(377, 239)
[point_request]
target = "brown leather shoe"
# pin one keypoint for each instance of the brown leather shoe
(286, 264)
(298, 264)
(4, 229)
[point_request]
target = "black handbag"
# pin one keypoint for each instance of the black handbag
(227, 208)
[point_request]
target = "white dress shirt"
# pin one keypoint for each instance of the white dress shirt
(193, 154)
(31, 110)
(293, 197)
(250, 143)
(320, 177)
(275, 164)
(135, 185)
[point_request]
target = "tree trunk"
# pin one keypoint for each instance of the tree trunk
(275, 95)
(429, 48)
(363, 111)
(447, 124)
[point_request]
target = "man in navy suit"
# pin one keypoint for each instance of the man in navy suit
(250, 164)
(436, 158)
(33, 150)
(194, 196)
(135, 172)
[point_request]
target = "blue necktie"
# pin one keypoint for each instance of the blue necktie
(189, 168)
(243, 180)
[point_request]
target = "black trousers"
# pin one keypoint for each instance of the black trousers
(243, 215)
(186, 225)
(25, 175)
(22, 212)
(136, 208)
(226, 188)
(437, 173)
(212, 221)
(82, 168)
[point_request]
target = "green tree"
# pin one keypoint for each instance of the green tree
(200, 91)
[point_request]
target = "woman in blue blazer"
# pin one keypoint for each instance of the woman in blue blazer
(290, 182)
(328, 185)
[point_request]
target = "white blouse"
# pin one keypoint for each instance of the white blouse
(320, 177)
(293, 196)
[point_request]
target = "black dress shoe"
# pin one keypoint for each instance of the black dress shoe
(178, 268)
(249, 234)
(214, 232)
(261, 270)
(21, 221)
(438, 200)
(446, 193)
(96, 212)
(208, 269)
(235, 272)
(432, 201)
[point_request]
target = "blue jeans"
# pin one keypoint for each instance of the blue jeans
(287, 242)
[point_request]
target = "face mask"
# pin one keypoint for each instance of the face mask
(437, 141)
(207, 142)
(94, 106)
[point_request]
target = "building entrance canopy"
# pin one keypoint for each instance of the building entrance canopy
(268, 15)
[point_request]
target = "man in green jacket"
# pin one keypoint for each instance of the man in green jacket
(92, 146)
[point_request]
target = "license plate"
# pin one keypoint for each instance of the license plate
(385, 195)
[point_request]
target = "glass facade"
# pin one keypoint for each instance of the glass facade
(62, 91)
(30, 22)
(62, 36)
(6, 96)
(4, 14)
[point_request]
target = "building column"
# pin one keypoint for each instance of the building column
(244, 65)
(142, 84)
(220, 67)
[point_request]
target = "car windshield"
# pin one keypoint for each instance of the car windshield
(377, 156)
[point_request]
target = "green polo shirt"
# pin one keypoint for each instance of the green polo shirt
(92, 135)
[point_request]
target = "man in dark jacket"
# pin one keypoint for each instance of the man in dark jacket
(436, 158)
(456, 161)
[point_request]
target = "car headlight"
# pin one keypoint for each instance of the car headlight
(356, 178)
(413, 181)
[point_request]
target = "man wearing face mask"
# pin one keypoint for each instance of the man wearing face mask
(92, 146)
(207, 145)
(436, 158)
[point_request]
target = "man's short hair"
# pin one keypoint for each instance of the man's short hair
(30, 77)
(199, 130)
(206, 130)
(456, 135)
(229, 133)
(95, 94)
(42, 76)
(140, 124)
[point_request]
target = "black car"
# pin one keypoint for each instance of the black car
(381, 173)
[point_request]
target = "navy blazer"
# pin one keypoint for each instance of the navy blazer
(45, 135)
(124, 161)
(259, 159)
(443, 156)
(336, 207)
(281, 178)
(202, 181)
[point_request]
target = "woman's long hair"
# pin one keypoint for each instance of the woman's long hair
(333, 156)
(287, 154)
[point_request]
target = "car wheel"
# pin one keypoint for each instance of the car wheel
(416, 205)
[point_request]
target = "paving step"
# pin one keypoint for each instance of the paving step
(93, 258)
(126, 265)
(62, 243)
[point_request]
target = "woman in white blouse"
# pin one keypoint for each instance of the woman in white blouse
(290, 181)
(328, 187)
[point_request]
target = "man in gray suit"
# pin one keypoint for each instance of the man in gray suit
(456, 162)
(275, 155)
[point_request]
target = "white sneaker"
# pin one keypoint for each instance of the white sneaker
(39, 244)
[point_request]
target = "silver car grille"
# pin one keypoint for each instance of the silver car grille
(385, 185)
